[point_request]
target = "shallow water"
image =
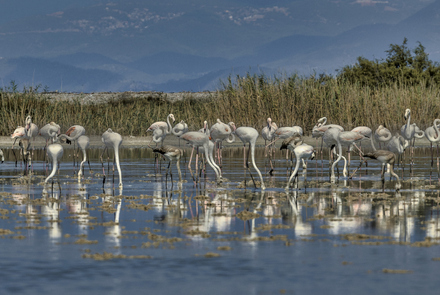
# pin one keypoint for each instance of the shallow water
(168, 238)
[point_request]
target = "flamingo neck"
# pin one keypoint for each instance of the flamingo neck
(255, 165)
(116, 148)
(54, 169)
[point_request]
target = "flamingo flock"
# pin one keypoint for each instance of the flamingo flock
(209, 141)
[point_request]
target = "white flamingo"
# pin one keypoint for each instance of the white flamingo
(55, 152)
(112, 140)
(249, 135)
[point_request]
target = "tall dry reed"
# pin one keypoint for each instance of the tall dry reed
(247, 101)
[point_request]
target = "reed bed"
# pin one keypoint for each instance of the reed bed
(247, 101)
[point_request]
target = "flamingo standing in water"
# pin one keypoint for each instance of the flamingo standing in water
(268, 133)
(249, 135)
(171, 153)
(55, 152)
(49, 132)
(164, 128)
(21, 135)
(199, 139)
(382, 134)
(220, 132)
(320, 128)
(333, 137)
(179, 129)
(112, 140)
(385, 157)
(83, 144)
(302, 152)
(31, 129)
(433, 135)
(410, 132)
(72, 134)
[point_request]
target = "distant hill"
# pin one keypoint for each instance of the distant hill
(181, 46)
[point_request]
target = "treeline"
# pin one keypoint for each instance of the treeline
(249, 100)
(402, 66)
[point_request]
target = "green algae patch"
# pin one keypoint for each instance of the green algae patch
(6, 232)
(397, 271)
(224, 248)
(83, 241)
(111, 256)
(209, 255)
(246, 215)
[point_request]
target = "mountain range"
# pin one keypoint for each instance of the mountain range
(172, 46)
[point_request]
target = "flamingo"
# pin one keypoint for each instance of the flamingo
(320, 128)
(31, 128)
(410, 132)
(179, 129)
(385, 157)
(432, 134)
(83, 143)
(220, 132)
(286, 132)
(171, 153)
(364, 130)
(349, 139)
(49, 132)
(249, 135)
(302, 152)
(164, 126)
(382, 134)
(268, 134)
(55, 152)
(204, 130)
(2, 156)
(292, 142)
(21, 135)
(72, 134)
(334, 137)
(112, 140)
(199, 139)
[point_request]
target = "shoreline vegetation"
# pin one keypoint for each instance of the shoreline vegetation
(246, 101)
(368, 93)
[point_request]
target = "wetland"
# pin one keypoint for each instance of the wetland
(354, 236)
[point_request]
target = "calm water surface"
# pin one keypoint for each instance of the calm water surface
(159, 236)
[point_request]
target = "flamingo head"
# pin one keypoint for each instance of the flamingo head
(172, 117)
(232, 125)
(407, 114)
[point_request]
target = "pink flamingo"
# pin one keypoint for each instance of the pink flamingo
(55, 152)
(179, 129)
(199, 139)
(72, 134)
(286, 132)
(49, 132)
(21, 134)
(302, 152)
(433, 135)
(249, 135)
(333, 137)
(83, 144)
(320, 128)
(385, 157)
(268, 133)
(410, 132)
(165, 128)
(171, 153)
(382, 134)
(220, 132)
(112, 140)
